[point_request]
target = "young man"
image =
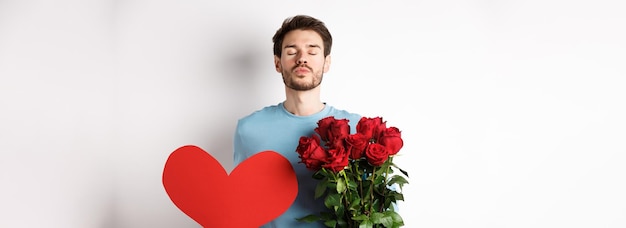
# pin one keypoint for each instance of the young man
(301, 55)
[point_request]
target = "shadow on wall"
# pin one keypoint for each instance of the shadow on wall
(238, 69)
(229, 77)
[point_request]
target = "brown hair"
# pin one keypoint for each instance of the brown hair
(302, 22)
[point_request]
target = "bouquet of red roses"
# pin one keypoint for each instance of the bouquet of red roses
(355, 172)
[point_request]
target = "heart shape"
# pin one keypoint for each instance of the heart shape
(257, 191)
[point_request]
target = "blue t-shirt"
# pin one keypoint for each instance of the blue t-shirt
(274, 128)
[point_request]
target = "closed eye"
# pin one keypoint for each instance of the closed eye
(313, 49)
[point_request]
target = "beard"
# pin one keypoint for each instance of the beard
(298, 84)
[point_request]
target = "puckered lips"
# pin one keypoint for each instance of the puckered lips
(301, 70)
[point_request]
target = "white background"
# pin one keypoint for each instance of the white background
(512, 111)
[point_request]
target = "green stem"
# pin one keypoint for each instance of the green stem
(388, 167)
(346, 200)
(372, 190)
(359, 178)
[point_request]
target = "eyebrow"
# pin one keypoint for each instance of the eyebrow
(309, 46)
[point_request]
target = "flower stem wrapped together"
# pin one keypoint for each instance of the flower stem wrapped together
(356, 172)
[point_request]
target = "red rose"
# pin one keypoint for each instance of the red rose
(391, 139)
(337, 160)
(376, 154)
(356, 144)
(371, 127)
(311, 153)
(322, 127)
(333, 130)
(339, 130)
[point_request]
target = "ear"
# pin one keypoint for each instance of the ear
(326, 63)
(277, 64)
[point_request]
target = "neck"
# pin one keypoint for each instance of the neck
(303, 103)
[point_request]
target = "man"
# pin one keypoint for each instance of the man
(301, 55)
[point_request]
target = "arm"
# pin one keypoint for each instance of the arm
(238, 154)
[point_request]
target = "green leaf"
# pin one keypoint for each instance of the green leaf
(339, 211)
(387, 222)
(309, 218)
(392, 198)
(360, 218)
(341, 223)
(398, 196)
(330, 223)
(375, 217)
(380, 218)
(355, 204)
(379, 179)
(352, 185)
(320, 189)
(401, 170)
(397, 219)
(380, 171)
(332, 186)
(341, 185)
(325, 174)
(319, 175)
(366, 224)
(332, 200)
(376, 203)
(326, 216)
(400, 180)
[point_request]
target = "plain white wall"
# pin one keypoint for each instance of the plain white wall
(512, 111)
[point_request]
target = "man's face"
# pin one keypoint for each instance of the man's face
(302, 63)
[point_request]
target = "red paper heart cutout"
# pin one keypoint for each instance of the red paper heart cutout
(257, 191)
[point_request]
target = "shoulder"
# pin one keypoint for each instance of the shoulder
(261, 113)
(260, 116)
(335, 110)
(353, 117)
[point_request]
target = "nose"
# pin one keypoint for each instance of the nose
(301, 60)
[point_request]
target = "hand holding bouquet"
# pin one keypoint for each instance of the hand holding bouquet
(356, 172)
